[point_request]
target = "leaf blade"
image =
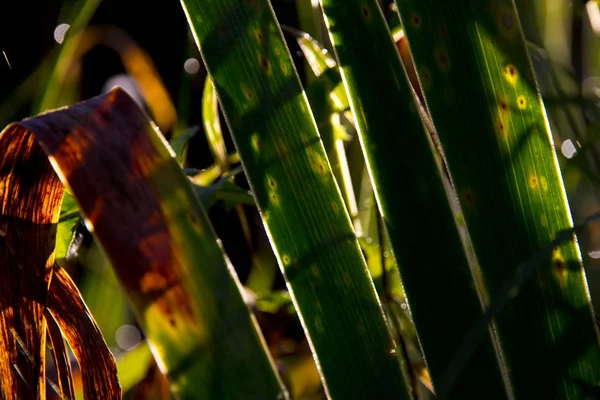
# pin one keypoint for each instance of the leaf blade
(415, 207)
(301, 206)
(499, 152)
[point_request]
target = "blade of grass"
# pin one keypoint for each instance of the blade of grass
(414, 206)
(503, 297)
(480, 90)
(301, 206)
(140, 207)
(328, 103)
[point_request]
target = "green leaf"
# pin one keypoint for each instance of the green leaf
(69, 216)
(180, 141)
(224, 191)
(415, 208)
(481, 93)
(301, 206)
(212, 125)
(133, 366)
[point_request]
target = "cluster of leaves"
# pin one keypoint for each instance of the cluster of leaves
(408, 111)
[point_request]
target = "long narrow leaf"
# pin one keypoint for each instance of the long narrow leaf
(301, 206)
(67, 308)
(414, 206)
(479, 87)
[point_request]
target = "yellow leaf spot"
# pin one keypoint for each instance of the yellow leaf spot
(503, 105)
(318, 162)
(286, 260)
(534, 182)
(273, 198)
(559, 267)
(510, 74)
(255, 142)
(544, 184)
(284, 67)
(522, 102)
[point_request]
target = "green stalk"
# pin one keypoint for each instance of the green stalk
(414, 205)
(481, 93)
(301, 206)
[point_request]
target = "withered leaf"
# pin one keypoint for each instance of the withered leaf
(140, 207)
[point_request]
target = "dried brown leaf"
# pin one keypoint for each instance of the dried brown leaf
(97, 364)
(61, 359)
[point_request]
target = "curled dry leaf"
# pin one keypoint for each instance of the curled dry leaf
(64, 384)
(98, 368)
(141, 208)
(30, 198)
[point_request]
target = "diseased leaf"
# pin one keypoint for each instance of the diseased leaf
(301, 206)
(30, 196)
(97, 364)
(415, 208)
(139, 205)
(479, 87)
(61, 360)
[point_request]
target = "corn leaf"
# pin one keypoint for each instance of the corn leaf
(30, 197)
(141, 209)
(478, 83)
(415, 208)
(67, 308)
(301, 206)
(62, 362)
(27, 230)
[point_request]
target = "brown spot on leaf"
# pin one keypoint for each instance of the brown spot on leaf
(503, 105)
(533, 182)
(469, 198)
(416, 20)
(264, 63)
